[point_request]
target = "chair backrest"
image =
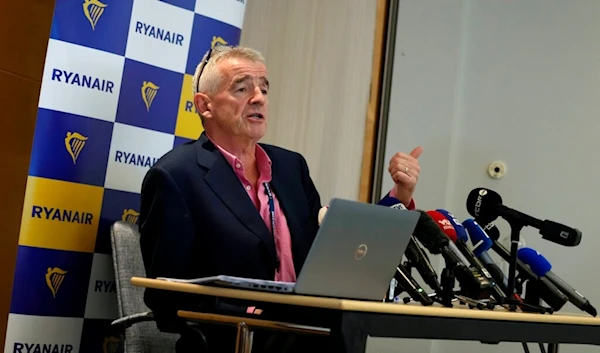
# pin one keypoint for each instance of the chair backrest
(127, 262)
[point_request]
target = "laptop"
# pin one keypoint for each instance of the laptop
(354, 255)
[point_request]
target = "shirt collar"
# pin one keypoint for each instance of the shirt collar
(262, 159)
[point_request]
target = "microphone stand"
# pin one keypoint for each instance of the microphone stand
(515, 235)
(408, 284)
(447, 281)
(533, 299)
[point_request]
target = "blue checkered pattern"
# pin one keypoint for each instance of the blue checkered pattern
(116, 95)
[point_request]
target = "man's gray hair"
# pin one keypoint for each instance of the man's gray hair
(211, 77)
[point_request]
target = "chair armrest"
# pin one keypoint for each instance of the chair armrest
(122, 323)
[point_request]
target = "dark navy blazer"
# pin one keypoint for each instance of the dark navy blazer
(196, 219)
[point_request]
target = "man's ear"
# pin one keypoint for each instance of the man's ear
(202, 102)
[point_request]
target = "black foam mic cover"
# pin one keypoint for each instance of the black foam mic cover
(482, 204)
(429, 234)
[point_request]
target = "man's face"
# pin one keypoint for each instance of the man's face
(240, 107)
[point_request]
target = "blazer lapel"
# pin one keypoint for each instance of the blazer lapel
(226, 185)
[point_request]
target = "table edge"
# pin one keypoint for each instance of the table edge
(363, 306)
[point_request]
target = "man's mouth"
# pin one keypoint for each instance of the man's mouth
(256, 116)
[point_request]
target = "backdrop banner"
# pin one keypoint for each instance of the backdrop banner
(116, 95)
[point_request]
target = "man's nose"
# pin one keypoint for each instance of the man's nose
(258, 97)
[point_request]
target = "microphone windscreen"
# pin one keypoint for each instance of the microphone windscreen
(482, 204)
(461, 233)
(444, 224)
(480, 240)
(389, 201)
(322, 213)
(429, 234)
(536, 261)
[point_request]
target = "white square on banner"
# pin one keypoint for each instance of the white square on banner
(28, 333)
(102, 291)
(227, 11)
(81, 80)
(159, 34)
(133, 151)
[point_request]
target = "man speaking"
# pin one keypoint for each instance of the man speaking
(227, 205)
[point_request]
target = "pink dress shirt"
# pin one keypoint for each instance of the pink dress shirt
(283, 240)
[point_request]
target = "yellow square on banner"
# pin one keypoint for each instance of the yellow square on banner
(60, 215)
(188, 120)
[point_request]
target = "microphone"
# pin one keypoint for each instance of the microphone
(542, 267)
(464, 249)
(547, 290)
(460, 230)
(431, 236)
(411, 286)
(392, 202)
(481, 243)
(486, 205)
(420, 261)
(450, 233)
(415, 255)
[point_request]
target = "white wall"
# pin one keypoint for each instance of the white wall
(319, 56)
(517, 81)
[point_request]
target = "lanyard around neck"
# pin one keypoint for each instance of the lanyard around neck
(271, 207)
(272, 214)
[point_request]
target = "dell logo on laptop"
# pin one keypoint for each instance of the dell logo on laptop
(360, 252)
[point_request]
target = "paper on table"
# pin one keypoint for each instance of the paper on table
(229, 280)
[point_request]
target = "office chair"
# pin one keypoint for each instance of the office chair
(135, 325)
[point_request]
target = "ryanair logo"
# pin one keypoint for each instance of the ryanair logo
(56, 214)
(93, 10)
(110, 344)
(130, 216)
(159, 33)
(135, 159)
(190, 107)
(74, 78)
(105, 286)
(217, 41)
(54, 278)
(149, 91)
(20, 347)
(74, 142)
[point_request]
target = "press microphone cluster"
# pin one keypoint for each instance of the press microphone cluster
(473, 283)
(537, 287)
(465, 249)
(418, 259)
(454, 227)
